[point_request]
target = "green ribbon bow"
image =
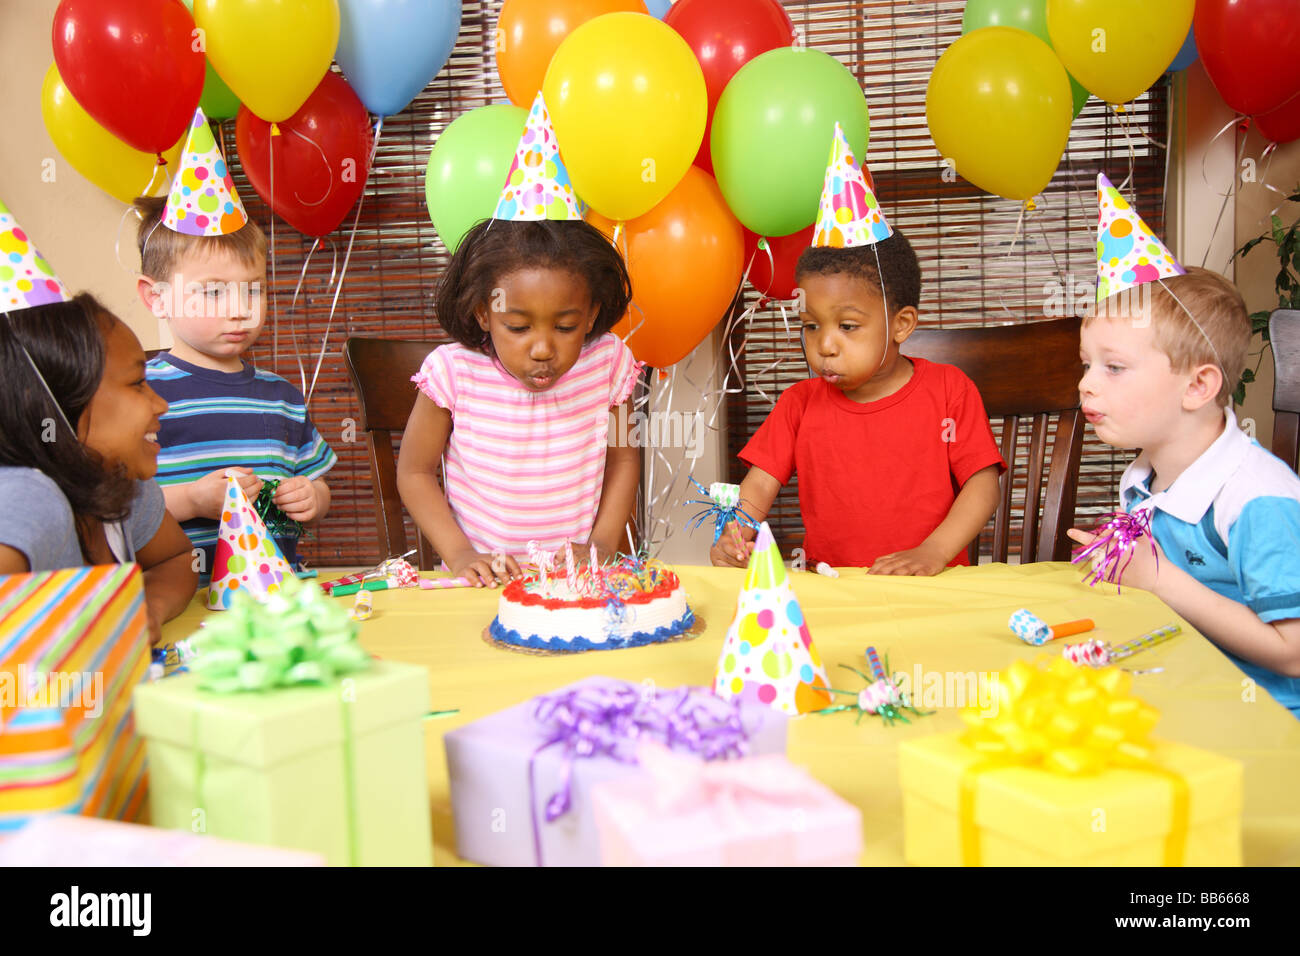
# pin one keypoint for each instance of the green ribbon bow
(295, 636)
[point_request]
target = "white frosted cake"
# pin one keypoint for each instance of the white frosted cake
(627, 605)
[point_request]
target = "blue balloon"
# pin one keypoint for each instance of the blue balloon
(390, 50)
(1187, 54)
(658, 8)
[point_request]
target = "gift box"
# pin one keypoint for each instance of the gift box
(73, 645)
(1065, 774)
(522, 797)
(762, 811)
(60, 839)
(336, 769)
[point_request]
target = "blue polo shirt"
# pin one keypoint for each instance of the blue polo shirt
(1232, 521)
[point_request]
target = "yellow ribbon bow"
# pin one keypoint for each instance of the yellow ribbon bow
(1065, 719)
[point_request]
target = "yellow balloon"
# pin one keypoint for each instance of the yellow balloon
(271, 53)
(627, 98)
(120, 170)
(999, 107)
(1118, 48)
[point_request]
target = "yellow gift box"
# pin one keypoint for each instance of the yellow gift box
(1065, 775)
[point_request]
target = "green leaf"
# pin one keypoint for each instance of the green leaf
(1277, 230)
(1248, 375)
(1244, 250)
(1239, 394)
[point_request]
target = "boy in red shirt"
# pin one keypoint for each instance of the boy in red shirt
(896, 462)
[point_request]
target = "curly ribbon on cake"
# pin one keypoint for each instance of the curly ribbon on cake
(1112, 551)
(612, 721)
(296, 636)
(1068, 720)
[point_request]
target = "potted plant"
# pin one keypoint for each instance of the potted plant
(1286, 240)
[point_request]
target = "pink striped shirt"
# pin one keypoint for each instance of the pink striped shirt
(523, 465)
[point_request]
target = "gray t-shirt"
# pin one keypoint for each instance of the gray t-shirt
(37, 520)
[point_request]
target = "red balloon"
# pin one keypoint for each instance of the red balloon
(1281, 125)
(321, 157)
(132, 66)
(774, 278)
(725, 35)
(1250, 49)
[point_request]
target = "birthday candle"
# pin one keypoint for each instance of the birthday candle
(570, 572)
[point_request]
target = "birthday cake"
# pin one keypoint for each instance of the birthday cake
(627, 604)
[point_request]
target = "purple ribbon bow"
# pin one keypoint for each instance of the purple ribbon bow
(1116, 539)
(612, 721)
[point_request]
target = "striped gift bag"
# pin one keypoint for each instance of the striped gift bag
(73, 645)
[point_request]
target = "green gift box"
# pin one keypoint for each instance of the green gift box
(336, 769)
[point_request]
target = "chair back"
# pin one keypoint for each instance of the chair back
(381, 371)
(1284, 333)
(1028, 375)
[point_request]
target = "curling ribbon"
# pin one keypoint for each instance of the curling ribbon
(612, 721)
(1067, 720)
(1116, 539)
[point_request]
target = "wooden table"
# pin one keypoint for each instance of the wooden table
(953, 626)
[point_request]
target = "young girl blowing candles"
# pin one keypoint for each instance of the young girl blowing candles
(517, 409)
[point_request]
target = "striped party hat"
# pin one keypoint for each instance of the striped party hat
(768, 655)
(203, 200)
(848, 214)
(538, 185)
(26, 279)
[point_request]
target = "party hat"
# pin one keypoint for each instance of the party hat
(203, 200)
(768, 655)
(26, 279)
(538, 186)
(248, 559)
(849, 214)
(1128, 252)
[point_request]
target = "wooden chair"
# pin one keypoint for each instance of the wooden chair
(381, 371)
(1284, 333)
(1024, 372)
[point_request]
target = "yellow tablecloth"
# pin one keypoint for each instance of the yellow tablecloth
(952, 625)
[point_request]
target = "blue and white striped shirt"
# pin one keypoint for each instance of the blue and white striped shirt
(245, 419)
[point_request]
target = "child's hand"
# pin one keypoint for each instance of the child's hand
(1140, 572)
(918, 561)
(209, 492)
(296, 497)
(730, 552)
(582, 551)
(477, 568)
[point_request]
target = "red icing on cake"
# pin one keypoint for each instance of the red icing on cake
(516, 593)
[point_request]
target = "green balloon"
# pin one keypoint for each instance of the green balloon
(1027, 15)
(468, 168)
(772, 134)
(218, 101)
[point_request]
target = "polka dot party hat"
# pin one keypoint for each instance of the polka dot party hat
(248, 559)
(768, 655)
(26, 279)
(203, 200)
(1128, 252)
(538, 186)
(849, 214)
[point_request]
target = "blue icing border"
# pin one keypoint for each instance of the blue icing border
(636, 639)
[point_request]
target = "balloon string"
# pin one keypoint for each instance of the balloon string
(329, 171)
(270, 202)
(347, 257)
(1223, 208)
(294, 332)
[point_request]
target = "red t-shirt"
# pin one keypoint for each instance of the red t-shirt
(876, 477)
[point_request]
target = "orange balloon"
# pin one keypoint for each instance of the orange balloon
(685, 257)
(529, 31)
